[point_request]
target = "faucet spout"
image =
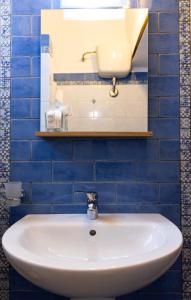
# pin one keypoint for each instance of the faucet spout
(85, 54)
(92, 205)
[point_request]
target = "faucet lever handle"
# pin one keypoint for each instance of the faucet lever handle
(91, 197)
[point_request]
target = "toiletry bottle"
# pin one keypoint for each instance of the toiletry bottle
(54, 115)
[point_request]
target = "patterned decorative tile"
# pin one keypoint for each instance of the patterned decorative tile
(186, 220)
(185, 142)
(5, 82)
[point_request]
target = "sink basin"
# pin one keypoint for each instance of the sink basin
(72, 256)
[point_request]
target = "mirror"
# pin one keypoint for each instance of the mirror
(94, 68)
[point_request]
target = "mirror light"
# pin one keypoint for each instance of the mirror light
(98, 3)
(93, 14)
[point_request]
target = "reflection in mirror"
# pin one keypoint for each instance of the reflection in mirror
(94, 67)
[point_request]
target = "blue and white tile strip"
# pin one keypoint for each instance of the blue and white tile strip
(185, 142)
(93, 78)
(5, 82)
(45, 43)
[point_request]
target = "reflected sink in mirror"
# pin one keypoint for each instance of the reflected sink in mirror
(73, 256)
(94, 70)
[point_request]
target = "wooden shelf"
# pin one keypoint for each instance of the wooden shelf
(79, 134)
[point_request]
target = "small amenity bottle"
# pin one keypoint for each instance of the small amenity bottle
(55, 119)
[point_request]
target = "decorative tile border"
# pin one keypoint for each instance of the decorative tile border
(45, 43)
(5, 81)
(185, 141)
(93, 78)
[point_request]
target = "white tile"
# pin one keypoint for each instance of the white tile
(133, 92)
(127, 112)
(131, 124)
(103, 124)
(80, 124)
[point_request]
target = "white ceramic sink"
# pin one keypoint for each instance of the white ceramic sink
(57, 252)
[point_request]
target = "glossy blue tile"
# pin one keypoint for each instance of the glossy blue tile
(178, 264)
(169, 150)
(169, 107)
(35, 108)
(115, 171)
(20, 283)
(24, 129)
(52, 193)
(27, 7)
(153, 107)
(169, 283)
(164, 128)
(36, 25)
(52, 149)
(21, 25)
(69, 209)
(115, 149)
(153, 64)
(106, 192)
(34, 295)
(16, 213)
(21, 66)
(72, 171)
(35, 68)
(163, 86)
(169, 193)
(25, 87)
(163, 43)
(168, 22)
(26, 46)
(90, 149)
(31, 171)
(153, 22)
(158, 171)
(161, 5)
(154, 296)
(138, 192)
(20, 108)
(172, 212)
(136, 149)
(169, 64)
(20, 150)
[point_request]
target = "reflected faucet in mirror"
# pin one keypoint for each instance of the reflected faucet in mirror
(87, 53)
(114, 59)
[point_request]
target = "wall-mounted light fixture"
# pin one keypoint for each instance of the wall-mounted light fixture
(98, 3)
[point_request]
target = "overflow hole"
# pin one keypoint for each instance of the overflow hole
(92, 232)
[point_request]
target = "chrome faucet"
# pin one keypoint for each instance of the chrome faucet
(92, 205)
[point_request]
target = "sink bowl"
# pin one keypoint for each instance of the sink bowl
(72, 256)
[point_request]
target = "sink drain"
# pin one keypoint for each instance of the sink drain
(92, 232)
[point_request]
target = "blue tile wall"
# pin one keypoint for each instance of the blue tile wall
(21, 66)
(168, 22)
(21, 25)
(130, 175)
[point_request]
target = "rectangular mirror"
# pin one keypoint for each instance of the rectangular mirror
(94, 69)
